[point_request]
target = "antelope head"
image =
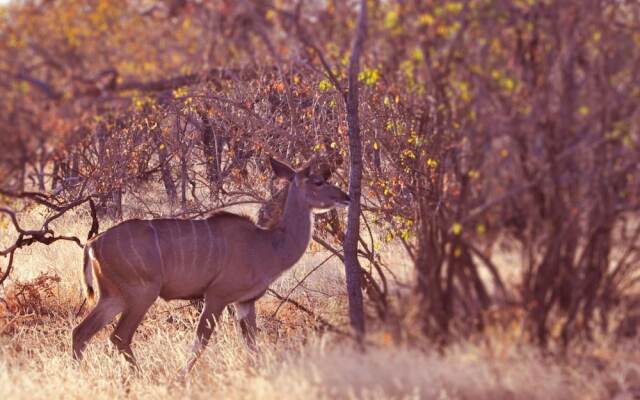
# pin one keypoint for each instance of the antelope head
(312, 185)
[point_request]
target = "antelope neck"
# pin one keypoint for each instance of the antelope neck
(293, 232)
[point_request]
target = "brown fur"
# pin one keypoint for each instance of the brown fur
(225, 258)
(226, 214)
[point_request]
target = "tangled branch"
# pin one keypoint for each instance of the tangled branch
(45, 234)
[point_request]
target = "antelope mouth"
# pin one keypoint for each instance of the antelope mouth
(328, 207)
(346, 201)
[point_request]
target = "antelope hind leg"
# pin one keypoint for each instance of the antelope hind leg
(128, 323)
(106, 309)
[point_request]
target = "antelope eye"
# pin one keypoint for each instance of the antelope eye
(318, 183)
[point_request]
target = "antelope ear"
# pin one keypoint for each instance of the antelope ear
(304, 172)
(281, 169)
(325, 171)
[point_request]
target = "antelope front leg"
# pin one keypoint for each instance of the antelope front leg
(207, 324)
(246, 315)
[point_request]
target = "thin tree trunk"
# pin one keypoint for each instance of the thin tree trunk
(55, 175)
(211, 145)
(116, 207)
(167, 179)
(184, 179)
(41, 164)
(22, 174)
(184, 153)
(165, 170)
(75, 167)
(351, 262)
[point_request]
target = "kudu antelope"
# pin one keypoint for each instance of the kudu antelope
(224, 259)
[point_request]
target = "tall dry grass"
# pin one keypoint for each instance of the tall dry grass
(294, 361)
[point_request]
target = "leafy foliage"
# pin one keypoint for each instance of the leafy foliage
(482, 121)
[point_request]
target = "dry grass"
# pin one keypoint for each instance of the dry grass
(294, 361)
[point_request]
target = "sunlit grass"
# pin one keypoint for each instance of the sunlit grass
(294, 361)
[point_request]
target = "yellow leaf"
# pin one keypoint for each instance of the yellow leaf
(270, 15)
(508, 84)
(186, 24)
(180, 92)
(597, 35)
(584, 111)
(457, 252)
(456, 228)
(454, 7)
(406, 234)
(426, 19)
(474, 174)
(417, 54)
(325, 85)
(408, 154)
(391, 19)
(369, 76)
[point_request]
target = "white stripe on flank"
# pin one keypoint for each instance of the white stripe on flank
(209, 242)
(125, 257)
(157, 240)
(120, 250)
(135, 250)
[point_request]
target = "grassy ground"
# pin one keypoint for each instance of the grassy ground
(295, 361)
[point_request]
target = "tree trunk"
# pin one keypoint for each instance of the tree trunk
(55, 175)
(184, 160)
(211, 145)
(165, 170)
(41, 164)
(184, 179)
(75, 167)
(116, 198)
(22, 174)
(351, 262)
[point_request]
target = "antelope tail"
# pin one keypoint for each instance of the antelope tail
(87, 274)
